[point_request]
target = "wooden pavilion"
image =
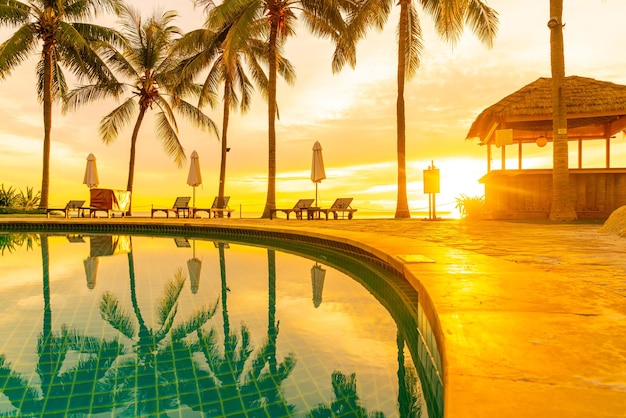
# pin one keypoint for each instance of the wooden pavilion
(596, 110)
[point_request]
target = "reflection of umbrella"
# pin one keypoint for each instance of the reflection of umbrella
(317, 280)
(91, 271)
(195, 177)
(91, 172)
(194, 265)
(317, 167)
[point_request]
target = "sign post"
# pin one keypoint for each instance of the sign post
(431, 187)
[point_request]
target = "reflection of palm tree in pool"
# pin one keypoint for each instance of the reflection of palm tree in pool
(11, 242)
(64, 390)
(147, 382)
(231, 390)
(346, 403)
(409, 402)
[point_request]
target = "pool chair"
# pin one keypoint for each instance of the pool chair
(302, 205)
(340, 209)
(76, 205)
(181, 206)
(217, 209)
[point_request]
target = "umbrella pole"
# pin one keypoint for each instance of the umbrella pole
(315, 194)
(194, 196)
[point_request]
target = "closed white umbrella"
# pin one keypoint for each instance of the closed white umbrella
(317, 167)
(194, 265)
(317, 281)
(194, 178)
(91, 172)
(91, 271)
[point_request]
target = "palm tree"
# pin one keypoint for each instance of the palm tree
(449, 17)
(64, 389)
(275, 20)
(256, 393)
(225, 56)
(151, 371)
(147, 61)
(59, 27)
(562, 208)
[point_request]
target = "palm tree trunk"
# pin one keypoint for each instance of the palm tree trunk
(402, 205)
(272, 326)
(562, 205)
(224, 291)
(45, 264)
(403, 396)
(47, 124)
(131, 163)
(270, 202)
(225, 120)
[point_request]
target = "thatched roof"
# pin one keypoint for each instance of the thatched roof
(595, 109)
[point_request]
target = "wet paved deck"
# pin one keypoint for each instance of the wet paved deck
(532, 316)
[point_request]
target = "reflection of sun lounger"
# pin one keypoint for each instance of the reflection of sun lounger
(341, 206)
(301, 206)
(216, 208)
(76, 205)
(181, 205)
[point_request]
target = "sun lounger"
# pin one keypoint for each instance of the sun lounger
(181, 206)
(216, 208)
(301, 206)
(341, 208)
(76, 205)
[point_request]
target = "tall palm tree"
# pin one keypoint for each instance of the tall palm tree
(146, 381)
(275, 21)
(59, 27)
(145, 60)
(562, 208)
(450, 17)
(216, 48)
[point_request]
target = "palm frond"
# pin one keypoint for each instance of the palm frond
(167, 303)
(197, 117)
(483, 20)
(171, 143)
(84, 9)
(13, 13)
(112, 123)
(15, 387)
(58, 86)
(17, 49)
(119, 63)
(83, 95)
(111, 312)
(96, 33)
(78, 55)
(197, 320)
(414, 44)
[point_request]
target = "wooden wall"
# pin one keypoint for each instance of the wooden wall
(527, 194)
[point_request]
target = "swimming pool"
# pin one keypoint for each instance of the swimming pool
(222, 325)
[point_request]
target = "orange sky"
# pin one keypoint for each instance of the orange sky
(352, 115)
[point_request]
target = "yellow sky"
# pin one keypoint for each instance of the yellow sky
(352, 115)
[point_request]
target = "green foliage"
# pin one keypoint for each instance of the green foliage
(10, 198)
(28, 200)
(11, 242)
(470, 207)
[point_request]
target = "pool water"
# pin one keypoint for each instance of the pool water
(119, 325)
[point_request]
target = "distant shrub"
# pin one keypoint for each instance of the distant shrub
(470, 207)
(8, 197)
(11, 199)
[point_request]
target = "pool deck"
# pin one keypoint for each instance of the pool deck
(532, 316)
